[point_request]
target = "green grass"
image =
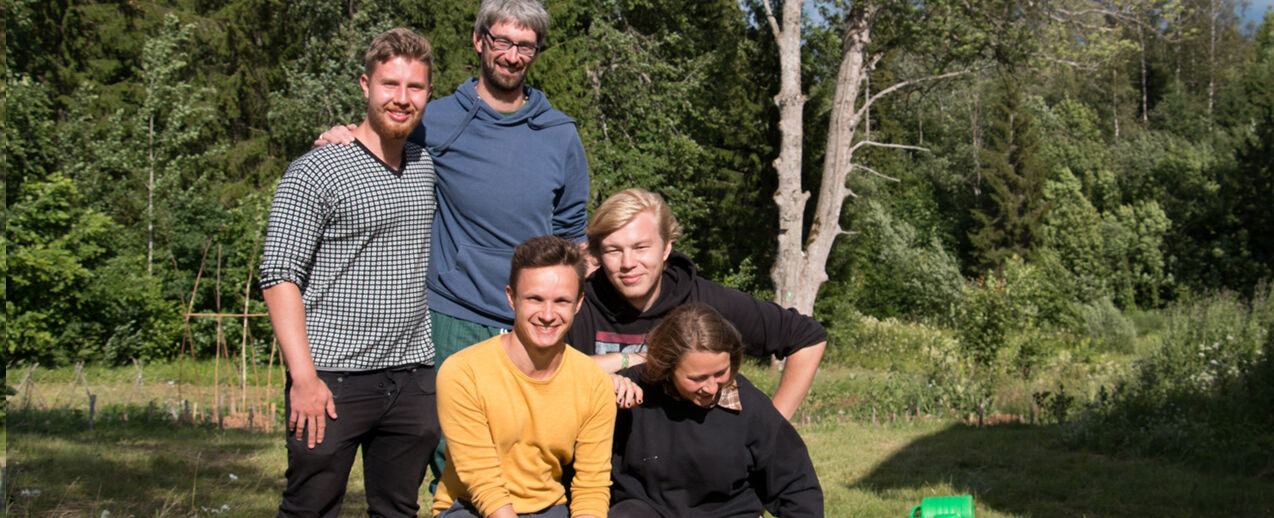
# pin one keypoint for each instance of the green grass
(148, 466)
(1011, 470)
(159, 469)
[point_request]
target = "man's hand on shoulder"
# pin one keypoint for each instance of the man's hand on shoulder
(310, 399)
(337, 135)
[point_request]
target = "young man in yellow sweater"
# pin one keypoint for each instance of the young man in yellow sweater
(519, 408)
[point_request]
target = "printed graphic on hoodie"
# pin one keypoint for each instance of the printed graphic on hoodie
(619, 342)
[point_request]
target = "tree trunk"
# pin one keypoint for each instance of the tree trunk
(789, 197)
(1212, 16)
(150, 193)
(1114, 100)
(1145, 96)
(800, 268)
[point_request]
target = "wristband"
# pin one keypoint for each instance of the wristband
(624, 363)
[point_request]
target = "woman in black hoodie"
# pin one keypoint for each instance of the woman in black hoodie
(705, 441)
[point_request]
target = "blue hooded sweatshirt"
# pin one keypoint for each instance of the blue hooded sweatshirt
(500, 181)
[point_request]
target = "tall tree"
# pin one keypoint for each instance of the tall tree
(1011, 217)
(174, 115)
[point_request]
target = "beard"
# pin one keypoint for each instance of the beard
(500, 81)
(388, 128)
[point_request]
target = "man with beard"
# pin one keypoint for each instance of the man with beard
(510, 167)
(343, 274)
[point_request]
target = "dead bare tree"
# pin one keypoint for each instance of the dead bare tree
(800, 267)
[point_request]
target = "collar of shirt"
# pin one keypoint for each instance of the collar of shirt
(730, 397)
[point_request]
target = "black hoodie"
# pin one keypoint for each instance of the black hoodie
(607, 323)
(687, 461)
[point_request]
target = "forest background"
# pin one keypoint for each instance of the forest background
(1054, 179)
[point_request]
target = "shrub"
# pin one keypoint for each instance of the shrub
(1207, 397)
(896, 270)
(864, 341)
(1107, 327)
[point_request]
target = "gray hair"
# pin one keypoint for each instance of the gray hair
(528, 13)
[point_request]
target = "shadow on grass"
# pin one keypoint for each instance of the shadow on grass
(1020, 470)
(141, 467)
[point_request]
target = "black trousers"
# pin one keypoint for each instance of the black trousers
(392, 415)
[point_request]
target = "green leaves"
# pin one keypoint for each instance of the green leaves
(52, 245)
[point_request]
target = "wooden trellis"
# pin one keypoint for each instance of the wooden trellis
(243, 412)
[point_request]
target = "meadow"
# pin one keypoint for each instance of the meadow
(874, 458)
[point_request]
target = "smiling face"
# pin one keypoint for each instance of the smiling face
(633, 259)
(504, 71)
(700, 375)
(396, 92)
(544, 303)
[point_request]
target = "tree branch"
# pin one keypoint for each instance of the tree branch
(769, 15)
(872, 171)
(1073, 64)
(862, 143)
(862, 110)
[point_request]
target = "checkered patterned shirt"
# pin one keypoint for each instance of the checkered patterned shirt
(353, 235)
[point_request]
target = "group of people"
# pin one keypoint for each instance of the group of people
(388, 248)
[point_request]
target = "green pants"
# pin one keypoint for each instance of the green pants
(450, 336)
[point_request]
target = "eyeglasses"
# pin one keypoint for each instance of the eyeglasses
(504, 44)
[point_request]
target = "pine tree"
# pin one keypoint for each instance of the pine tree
(1014, 207)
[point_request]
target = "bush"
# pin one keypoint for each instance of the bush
(1207, 397)
(864, 341)
(999, 306)
(893, 270)
(1107, 327)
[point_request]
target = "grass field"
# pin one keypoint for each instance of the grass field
(149, 466)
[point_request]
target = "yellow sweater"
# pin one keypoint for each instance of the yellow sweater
(509, 435)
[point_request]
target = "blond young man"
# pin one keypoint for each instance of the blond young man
(642, 279)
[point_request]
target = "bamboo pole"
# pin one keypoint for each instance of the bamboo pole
(190, 306)
(24, 387)
(216, 362)
(243, 344)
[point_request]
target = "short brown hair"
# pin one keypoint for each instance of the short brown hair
(689, 328)
(398, 42)
(622, 207)
(545, 251)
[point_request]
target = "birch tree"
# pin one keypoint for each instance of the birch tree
(174, 116)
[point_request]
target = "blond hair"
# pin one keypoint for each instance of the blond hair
(621, 207)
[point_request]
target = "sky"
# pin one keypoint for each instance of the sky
(1256, 10)
(1254, 13)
